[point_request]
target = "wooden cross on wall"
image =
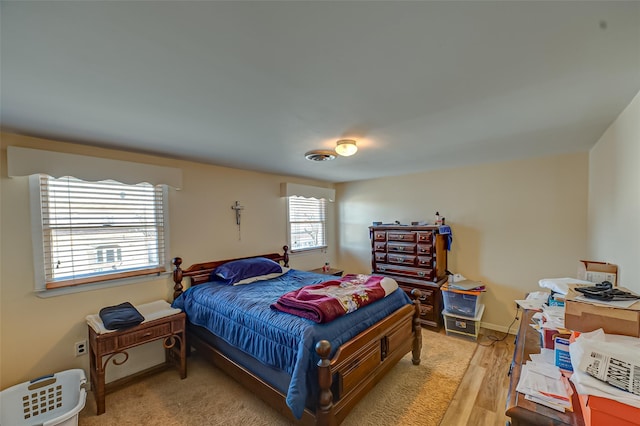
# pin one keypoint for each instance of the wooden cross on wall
(237, 207)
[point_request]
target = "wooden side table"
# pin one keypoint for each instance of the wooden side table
(106, 347)
(331, 271)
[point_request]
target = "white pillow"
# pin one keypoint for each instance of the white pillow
(262, 277)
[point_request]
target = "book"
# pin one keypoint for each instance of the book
(466, 285)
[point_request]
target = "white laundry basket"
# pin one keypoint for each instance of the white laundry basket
(53, 400)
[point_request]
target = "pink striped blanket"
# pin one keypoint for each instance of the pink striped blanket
(327, 301)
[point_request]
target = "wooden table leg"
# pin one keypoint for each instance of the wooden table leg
(176, 352)
(96, 374)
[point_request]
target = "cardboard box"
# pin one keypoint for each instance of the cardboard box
(596, 272)
(603, 411)
(585, 316)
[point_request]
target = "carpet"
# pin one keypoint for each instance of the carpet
(407, 395)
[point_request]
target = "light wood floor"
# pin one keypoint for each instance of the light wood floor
(482, 394)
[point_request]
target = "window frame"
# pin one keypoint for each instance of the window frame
(103, 281)
(322, 247)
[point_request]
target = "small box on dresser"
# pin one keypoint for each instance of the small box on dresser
(416, 257)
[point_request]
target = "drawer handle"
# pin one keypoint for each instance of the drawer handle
(147, 334)
(421, 273)
(382, 268)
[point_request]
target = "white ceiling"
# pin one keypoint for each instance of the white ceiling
(420, 85)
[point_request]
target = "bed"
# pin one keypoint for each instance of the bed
(311, 373)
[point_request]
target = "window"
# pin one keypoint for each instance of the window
(93, 232)
(307, 223)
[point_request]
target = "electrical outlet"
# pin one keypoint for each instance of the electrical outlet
(81, 347)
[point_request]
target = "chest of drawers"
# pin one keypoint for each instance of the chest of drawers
(416, 257)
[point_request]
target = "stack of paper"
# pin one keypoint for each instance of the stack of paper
(553, 317)
(534, 301)
(544, 384)
(549, 318)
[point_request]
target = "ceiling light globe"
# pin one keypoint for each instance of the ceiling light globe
(346, 147)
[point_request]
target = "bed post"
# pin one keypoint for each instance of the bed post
(285, 256)
(177, 277)
(324, 411)
(417, 328)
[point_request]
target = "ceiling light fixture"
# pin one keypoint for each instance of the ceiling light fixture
(346, 147)
(320, 155)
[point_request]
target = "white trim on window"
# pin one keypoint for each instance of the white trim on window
(288, 189)
(26, 162)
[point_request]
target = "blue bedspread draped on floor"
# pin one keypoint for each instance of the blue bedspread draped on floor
(241, 315)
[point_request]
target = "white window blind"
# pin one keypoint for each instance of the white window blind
(98, 231)
(307, 223)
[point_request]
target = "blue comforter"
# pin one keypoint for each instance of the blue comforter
(241, 315)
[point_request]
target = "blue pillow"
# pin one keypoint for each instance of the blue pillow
(237, 270)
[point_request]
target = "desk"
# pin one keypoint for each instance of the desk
(521, 411)
(105, 346)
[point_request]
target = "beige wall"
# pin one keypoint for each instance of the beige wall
(513, 223)
(614, 196)
(38, 334)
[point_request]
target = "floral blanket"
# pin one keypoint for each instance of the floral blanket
(329, 300)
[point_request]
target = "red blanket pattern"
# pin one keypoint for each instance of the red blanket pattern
(326, 301)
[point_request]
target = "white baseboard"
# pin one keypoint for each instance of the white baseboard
(502, 328)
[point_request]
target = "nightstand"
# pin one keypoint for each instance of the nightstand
(331, 271)
(105, 347)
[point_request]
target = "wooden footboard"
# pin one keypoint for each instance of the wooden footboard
(344, 379)
(361, 362)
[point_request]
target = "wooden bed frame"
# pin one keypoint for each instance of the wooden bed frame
(343, 380)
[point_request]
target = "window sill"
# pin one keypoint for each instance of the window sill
(307, 250)
(97, 286)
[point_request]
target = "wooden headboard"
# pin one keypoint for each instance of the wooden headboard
(200, 272)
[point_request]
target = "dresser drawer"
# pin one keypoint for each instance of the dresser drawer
(401, 236)
(425, 237)
(425, 261)
(422, 273)
(402, 259)
(379, 246)
(427, 313)
(426, 296)
(379, 236)
(144, 335)
(425, 249)
(401, 247)
(380, 257)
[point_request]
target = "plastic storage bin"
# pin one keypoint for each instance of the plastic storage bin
(461, 302)
(456, 325)
(49, 400)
